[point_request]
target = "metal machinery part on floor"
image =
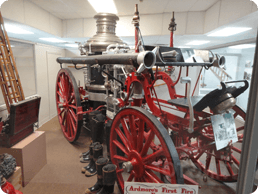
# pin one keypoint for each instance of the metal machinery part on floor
(145, 141)
(23, 113)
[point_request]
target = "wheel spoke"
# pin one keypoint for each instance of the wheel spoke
(199, 154)
(236, 149)
(66, 83)
(71, 99)
(207, 144)
(208, 161)
(72, 106)
(140, 135)
(130, 178)
(160, 170)
(62, 81)
(73, 114)
(120, 170)
(230, 169)
(70, 90)
(60, 87)
(235, 160)
(63, 84)
(120, 158)
(126, 130)
(218, 166)
(72, 124)
(150, 137)
(152, 157)
(61, 112)
(64, 118)
(120, 146)
(240, 137)
(61, 95)
(153, 177)
(67, 125)
(133, 131)
(240, 128)
(123, 138)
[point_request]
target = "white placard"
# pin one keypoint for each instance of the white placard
(158, 188)
(224, 129)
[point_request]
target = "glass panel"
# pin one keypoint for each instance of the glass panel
(239, 63)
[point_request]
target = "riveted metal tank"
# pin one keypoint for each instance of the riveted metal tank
(106, 35)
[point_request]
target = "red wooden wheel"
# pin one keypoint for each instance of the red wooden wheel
(67, 102)
(148, 153)
(221, 165)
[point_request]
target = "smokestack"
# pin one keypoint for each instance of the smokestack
(106, 33)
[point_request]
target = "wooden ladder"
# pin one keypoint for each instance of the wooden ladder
(220, 73)
(9, 78)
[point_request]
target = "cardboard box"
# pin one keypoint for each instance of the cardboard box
(30, 155)
(16, 179)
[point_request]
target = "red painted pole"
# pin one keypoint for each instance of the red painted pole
(172, 28)
(171, 39)
(136, 40)
(136, 19)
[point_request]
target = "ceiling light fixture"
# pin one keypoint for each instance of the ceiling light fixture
(229, 31)
(197, 42)
(52, 40)
(242, 46)
(16, 30)
(106, 6)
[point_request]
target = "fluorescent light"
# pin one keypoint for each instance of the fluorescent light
(242, 46)
(52, 39)
(72, 45)
(16, 30)
(106, 6)
(197, 42)
(229, 31)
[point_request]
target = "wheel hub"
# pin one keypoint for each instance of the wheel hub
(135, 163)
(127, 166)
(65, 105)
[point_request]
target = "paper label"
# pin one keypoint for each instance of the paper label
(224, 129)
(158, 188)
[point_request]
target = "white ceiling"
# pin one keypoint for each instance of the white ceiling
(67, 9)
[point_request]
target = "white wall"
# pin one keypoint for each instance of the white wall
(247, 55)
(28, 13)
(46, 71)
(78, 74)
(37, 68)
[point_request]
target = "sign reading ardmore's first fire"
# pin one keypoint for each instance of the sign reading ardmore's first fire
(157, 188)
